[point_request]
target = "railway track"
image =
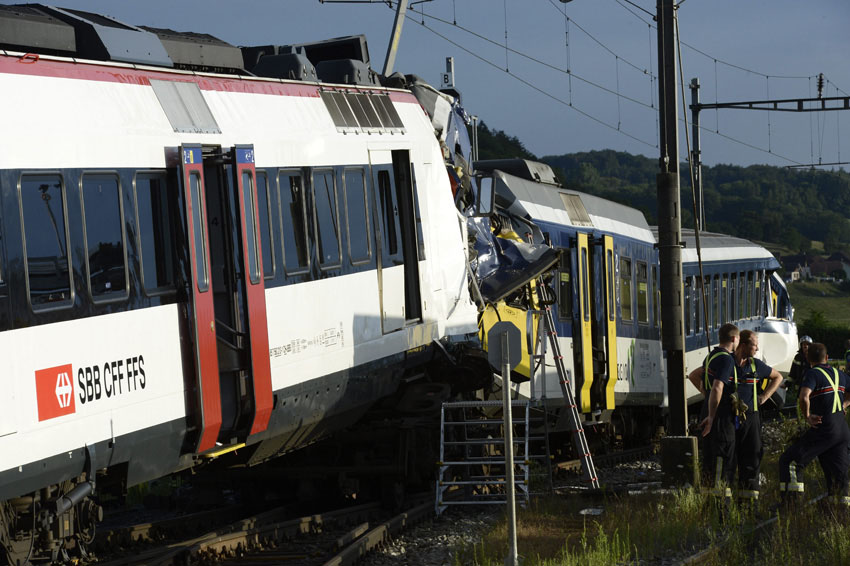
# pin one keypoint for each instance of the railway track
(334, 538)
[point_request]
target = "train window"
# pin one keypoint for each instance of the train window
(724, 298)
(199, 223)
(585, 295)
(656, 297)
(155, 215)
(757, 298)
(251, 227)
(715, 300)
(45, 241)
(625, 288)
(357, 220)
(742, 295)
(642, 301)
(326, 217)
(106, 259)
(389, 210)
(609, 259)
(266, 232)
(293, 222)
(565, 288)
(689, 313)
(709, 306)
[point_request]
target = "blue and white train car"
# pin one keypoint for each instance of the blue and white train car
(607, 298)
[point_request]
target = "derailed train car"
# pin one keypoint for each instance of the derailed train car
(196, 259)
(605, 297)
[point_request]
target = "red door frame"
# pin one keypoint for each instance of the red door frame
(255, 291)
(202, 308)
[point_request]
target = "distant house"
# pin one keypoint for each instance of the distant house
(797, 266)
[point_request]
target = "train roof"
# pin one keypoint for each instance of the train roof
(64, 32)
(551, 203)
(722, 247)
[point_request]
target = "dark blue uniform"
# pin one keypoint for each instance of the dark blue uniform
(718, 463)
(748, 446)
(829, 441)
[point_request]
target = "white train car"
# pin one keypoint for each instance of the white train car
(194, 262)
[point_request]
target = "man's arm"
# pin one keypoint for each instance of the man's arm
(695, 377)
(803, 401)
(713, 403)
(775, 381)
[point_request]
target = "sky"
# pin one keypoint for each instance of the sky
(750, 50)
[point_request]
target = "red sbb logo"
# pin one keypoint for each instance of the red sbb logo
(55, 392)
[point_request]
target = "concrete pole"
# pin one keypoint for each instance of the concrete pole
(389, 62)
(511, 558)
(670, 222)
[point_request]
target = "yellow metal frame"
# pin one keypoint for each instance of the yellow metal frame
(608, 263)
(584, 307)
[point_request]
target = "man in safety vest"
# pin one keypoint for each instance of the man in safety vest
(715, 380)
(822, 404)
(746, 399)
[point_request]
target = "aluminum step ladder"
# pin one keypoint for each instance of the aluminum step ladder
(472, 460)
(546, 335)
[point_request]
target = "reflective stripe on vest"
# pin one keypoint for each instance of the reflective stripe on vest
(755, 383)
(836, 404)
(708, 361)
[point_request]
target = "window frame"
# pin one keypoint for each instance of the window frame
(270, 222)
(625, 261)
(72, 299)
(366, 209)
(162, 289)
(332, 171)
(303, 175)
(112, 297)
(638, 264)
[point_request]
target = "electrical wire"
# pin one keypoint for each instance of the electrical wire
(536, 88)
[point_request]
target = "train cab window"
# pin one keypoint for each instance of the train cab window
(293, 222)
(357, 219)
(565, 288)
(326, 217)
(45, 241)
(642, 301)
(103, 216)
(689, 313)
(155, 216)
(656, 296)
(251, 227)
(266, 232)
(625, 288)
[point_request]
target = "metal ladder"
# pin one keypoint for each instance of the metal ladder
(481, 464)
(580, 444)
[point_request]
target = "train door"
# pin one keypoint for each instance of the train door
(398, 266)
(582, 326)
(228, 295)
(604, 321)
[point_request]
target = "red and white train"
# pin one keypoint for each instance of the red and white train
(195, 259)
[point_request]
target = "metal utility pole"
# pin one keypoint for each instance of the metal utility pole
(670, 223)
(395, 38)
(696, 157)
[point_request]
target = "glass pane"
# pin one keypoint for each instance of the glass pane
(357, 220)
(293, 225)
(156, 213)
(626, 288)
(565, 288)
(266, 239)
(250, 227)
(104, 237)
(389, 211)
(718, 317)
(610, 284)
(724, 299)
(688, 306)
(198, 233)
(656, 296)
(642, 302)
(585, 296)
(43, 205)
(324, 191)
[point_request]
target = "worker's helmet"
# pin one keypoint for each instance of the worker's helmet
(806, 339)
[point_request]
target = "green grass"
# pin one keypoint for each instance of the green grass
(826, 297)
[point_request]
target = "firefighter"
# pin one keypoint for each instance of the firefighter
(746, 400)
(799, 367)
(715, 380)
(822, 404)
